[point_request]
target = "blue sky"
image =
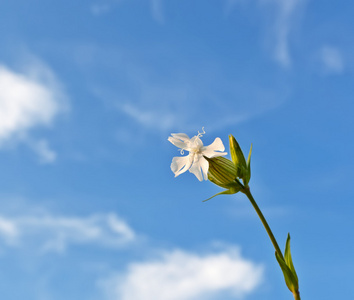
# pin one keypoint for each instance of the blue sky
(90, 92)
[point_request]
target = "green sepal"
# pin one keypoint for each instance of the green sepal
(237, 157)
(287, 266)
(249, 157)
(287, 257)
(233, 146)
(226, 192)
(248, 173)
(290, 279)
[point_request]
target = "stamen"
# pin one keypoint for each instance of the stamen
(200, 134)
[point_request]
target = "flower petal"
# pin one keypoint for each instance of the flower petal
(196, 168)
(204, 164)
(180, 164)
(178, 143)
(181, 136)
(214, 149)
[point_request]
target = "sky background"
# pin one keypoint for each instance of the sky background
(90, 92)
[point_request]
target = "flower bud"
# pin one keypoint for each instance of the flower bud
(223, 172)
(243, 167)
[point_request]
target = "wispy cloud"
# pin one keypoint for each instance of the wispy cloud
(281, 16)
(285, 17)
(151, 118)
(56, 233)
(230, 5)
(102, 7)
(193, 96)
(181, 275)
(165, 106)
(332, 59)
(45, 153)
(283, 28)
(99, 9)
(156, 10)
(28, 100)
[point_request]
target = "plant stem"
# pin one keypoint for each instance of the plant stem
(296, 296)
(247, 192)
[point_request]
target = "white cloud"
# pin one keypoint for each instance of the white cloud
(332, 59)
(28, 100)
(55, 233)
(180, 275)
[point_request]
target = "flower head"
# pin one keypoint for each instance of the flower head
(195, 161)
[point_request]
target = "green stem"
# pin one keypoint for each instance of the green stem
(296, 296)
(247, 192)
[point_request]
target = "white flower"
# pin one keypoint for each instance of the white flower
(194, 161)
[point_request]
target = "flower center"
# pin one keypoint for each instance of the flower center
(195, 144)
(196, 150)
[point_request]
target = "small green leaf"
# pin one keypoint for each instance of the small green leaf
(287, 257)
(226, 192)
(290, 279)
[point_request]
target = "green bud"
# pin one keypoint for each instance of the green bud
(222, 172)
(243, 167)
